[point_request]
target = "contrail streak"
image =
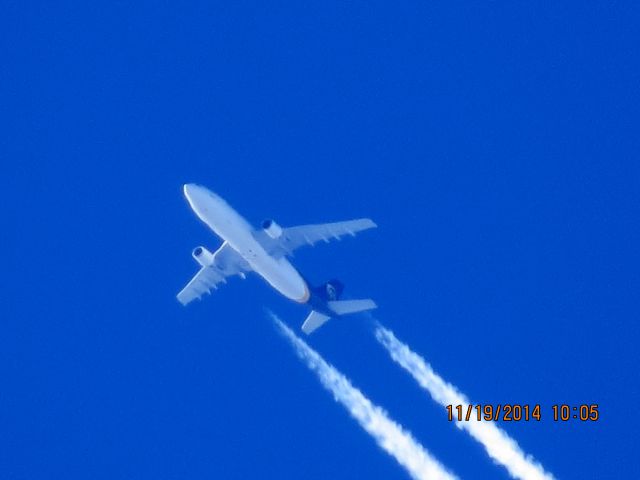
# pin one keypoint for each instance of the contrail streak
(500, 447)
(390, 436)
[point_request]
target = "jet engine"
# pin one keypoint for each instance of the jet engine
(203, 256)
(272, 229)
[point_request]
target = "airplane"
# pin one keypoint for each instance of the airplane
(265, 251)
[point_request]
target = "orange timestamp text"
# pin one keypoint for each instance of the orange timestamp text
(521, 412)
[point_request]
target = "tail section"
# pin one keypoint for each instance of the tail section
(314, 321)
(340, 307)
(332, 290)
(326, 304)
(343, 307)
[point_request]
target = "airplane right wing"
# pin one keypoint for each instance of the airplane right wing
(296, 237)
(226, 263)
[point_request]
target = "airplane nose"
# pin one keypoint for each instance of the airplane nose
(197, 194)
(189, 189)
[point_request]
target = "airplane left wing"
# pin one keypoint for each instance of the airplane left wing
(226, 262)
(295, 237)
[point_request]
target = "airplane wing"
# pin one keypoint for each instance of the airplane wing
(226, 263)
(295, 237)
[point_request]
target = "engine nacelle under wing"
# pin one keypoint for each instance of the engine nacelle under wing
(272, 229)
(203, 256)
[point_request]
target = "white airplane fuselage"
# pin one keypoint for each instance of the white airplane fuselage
(230, 226)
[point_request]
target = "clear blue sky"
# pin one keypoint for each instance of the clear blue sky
(495, 145)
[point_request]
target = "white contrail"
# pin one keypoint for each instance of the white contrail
(390, 436)
(500, 447)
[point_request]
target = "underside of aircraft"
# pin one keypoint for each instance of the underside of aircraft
(265, 251)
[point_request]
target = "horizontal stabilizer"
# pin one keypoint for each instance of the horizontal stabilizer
(343, 307)
(314, 321)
